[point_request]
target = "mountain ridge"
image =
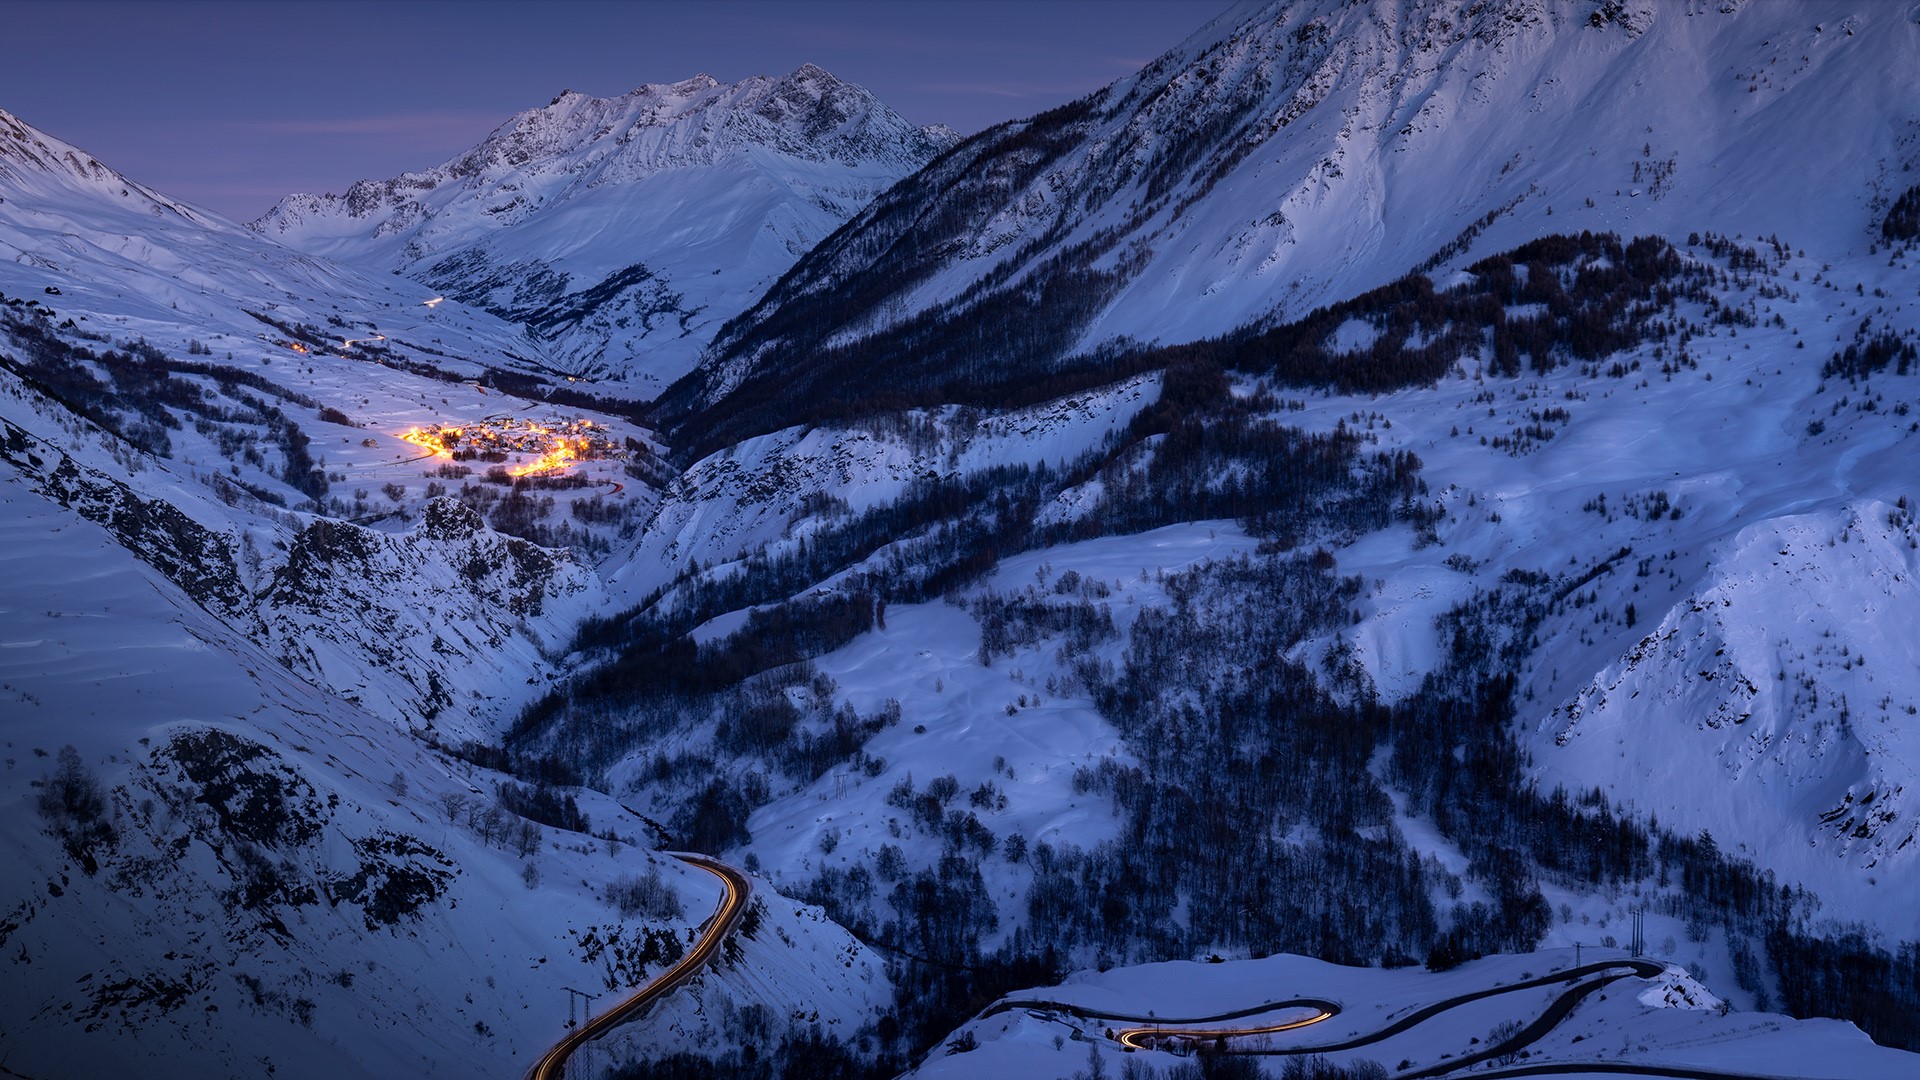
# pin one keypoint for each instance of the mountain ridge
(620, 230)
(1296, 153)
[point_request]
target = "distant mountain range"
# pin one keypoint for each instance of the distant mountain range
(622, 232)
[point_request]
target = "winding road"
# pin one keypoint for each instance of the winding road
(1583, 981)
(553, 1065)
(1139, 1038)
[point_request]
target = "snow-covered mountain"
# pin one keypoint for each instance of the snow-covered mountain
(622, 232)
(143, 264)
(239, 609)
(1294, 153)
(1557, 590)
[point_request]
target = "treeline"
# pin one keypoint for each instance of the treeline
(1251, 812)
(143, 398)
(1871, 352)
(1849, 975)
(1558, 299)
(1208, 454)
(662, 660)
(537, 388)
(803, 1052)
(926, 509)
(714, 751)
(1455, 755)
(1903, 217)
(543, 804)
(1011, 622)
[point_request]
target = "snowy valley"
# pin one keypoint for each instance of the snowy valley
(1374, 547)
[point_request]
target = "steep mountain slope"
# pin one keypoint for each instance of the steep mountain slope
(620, 232)
(281, 886)
(1295, 153)
(1727, 538)
(1073, 707)
(141, 264)
(241, 617)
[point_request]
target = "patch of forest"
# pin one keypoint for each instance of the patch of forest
(140, 394)
(1200, 452)
(1555, 300)
(1248, 751)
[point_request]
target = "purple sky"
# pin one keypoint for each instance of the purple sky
(231, 105)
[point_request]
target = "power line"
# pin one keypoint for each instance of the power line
(586, 1010)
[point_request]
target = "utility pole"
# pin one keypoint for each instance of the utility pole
(586, 1008)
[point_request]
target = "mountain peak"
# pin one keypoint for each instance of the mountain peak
(543, 223)
(31, 160)
(810, 72)
(698, 84)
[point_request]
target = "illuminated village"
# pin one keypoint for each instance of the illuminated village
(554, 445)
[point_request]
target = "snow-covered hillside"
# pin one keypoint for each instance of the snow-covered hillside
(172, 373)
(1497, 609)
(285, 884)
(1736, 659)
(133, 263)
(1069, 1030)
(1703, 542)
(239, 608)
(622, 232)
(1294, 153)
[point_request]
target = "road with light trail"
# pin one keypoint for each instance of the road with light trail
(1586, 981)
(553, 1066)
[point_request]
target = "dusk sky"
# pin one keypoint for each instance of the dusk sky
(232, 105)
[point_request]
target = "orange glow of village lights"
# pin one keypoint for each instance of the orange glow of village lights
(440, 442)
(553, 446)
(558, 458)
